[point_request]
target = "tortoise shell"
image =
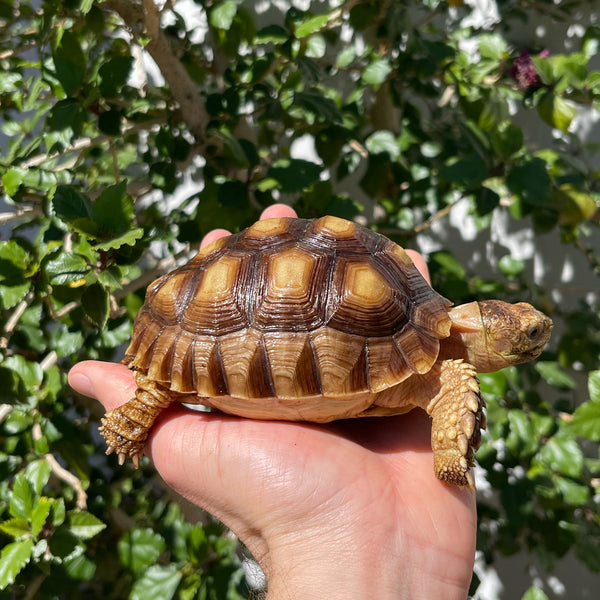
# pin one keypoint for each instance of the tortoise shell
(290, 309)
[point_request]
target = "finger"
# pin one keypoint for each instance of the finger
(278, 210)
(213, 235)
(111, 384)
(420, 264)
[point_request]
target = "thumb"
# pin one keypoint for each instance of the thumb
(111, 384)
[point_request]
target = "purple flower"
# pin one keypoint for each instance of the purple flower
(524, 73)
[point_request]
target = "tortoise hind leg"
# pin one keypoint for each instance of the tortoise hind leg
(126, 428)
(458, 417)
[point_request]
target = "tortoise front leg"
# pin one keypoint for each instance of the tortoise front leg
(126, 428)
(458, 417)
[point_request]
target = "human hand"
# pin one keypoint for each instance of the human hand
(351, 509)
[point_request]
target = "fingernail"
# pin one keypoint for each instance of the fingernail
(80, 383)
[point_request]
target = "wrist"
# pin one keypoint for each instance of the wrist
(302, 566)
(331, 564)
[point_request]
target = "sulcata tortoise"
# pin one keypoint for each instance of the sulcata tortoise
(318, 320)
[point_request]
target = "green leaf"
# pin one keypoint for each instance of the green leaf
(376, 73)
(67, 268)
(14, 260)
(574, 494)
(140, 548)
(521, 439)
(16, 528)
(80, 567)
(274, 34)
(11, 295)
(69, 63)
(466, 172)
(563, 455)
(321, 107)
(222, 15)
(383, 142)
(555, 375)
(30, 372)
(531, 182)
(39, 515)
(311, 25)
(556, 112)
(38, 473)
(85, 6)
(492, 46)
(113, 75)
(594, 385)
(534, 593)
(574, 206)
(70, 205)
(129, 238)
(157, 583)
(113, 210)
(586, 421)
(12, 180)
(510, 266)
(293, 175)
(22, 498)
(13, 558)
(83, 525)
(95, 302)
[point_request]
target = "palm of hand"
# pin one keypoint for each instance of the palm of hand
(276, 483)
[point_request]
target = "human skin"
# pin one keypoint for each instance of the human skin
(350, 509)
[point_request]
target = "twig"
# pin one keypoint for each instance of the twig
(34, 586)
(69, 478)
(62, 473)
(86, 143)
(9, 217)
(182, 86)
(555, 11)
(418, 228)
(14, 319)
(5, 410)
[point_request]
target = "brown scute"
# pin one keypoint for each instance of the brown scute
(246, 365)
(159, 368)
(340, 358)
(419, 349)
(260, 381)
(212, 308)
(269, 234)
(208, 376)
(290, 308)
(387, 366)
(182, 363)
(290, 285)
(363, 301)
(145, 342)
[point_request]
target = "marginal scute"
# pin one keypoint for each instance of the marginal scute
(419, 349)
(246, 365)
(342, 362)
(336, 227)
(268, 228)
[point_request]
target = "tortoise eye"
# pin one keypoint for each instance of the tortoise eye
(533, 333)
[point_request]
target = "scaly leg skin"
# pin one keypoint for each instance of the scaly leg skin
(458, 417)
(126, 428)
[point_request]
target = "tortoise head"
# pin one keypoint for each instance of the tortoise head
(493, 334)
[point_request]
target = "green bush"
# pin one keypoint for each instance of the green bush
(112, 170)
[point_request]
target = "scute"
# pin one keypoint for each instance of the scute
(290, 309)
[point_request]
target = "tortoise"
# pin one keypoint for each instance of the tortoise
(318, 320)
